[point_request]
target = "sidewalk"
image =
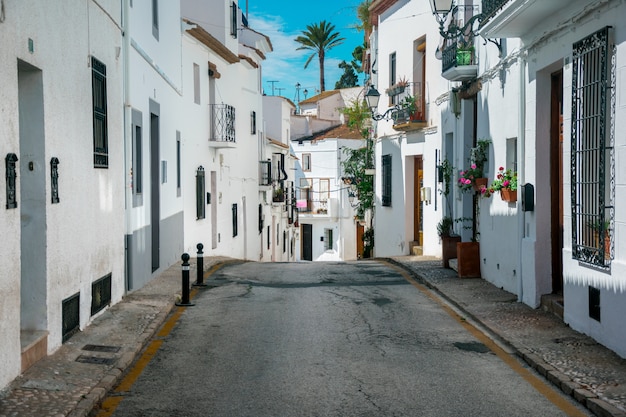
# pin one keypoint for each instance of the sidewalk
(575, 363)
(74, 379)
(59, 385)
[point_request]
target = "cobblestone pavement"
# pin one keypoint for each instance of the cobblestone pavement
(576, 363)
(59, 385)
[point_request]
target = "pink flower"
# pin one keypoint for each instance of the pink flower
(505, 183)
(473, 166)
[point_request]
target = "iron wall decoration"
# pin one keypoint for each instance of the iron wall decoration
(54, 179)
(11, 178)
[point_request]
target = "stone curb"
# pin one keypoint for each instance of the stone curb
(571, 388)
(114, 376)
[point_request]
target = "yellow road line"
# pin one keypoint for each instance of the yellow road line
(110, 403)
(544, 388)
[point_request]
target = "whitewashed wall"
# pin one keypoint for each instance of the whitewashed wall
(90, 199)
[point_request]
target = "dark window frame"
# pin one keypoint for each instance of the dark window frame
(386, 179)
(235, 215)
(100, 122)
(591, 194)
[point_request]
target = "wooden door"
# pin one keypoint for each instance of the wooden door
(418, 204)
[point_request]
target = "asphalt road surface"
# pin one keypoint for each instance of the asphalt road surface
(326, 339)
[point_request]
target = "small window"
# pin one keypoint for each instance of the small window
(178, 179)
(253, 122)
(306, 162)
(200, 192)
(196, 83)
(138, 161)
(386, 177)
(233, 20)
(324, 189)
(100, 130)
(392, 68)
(155, 19)
(269, 238)
(234, 210)
(284, 241)
(328, 239)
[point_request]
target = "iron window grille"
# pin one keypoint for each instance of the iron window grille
(253, 122)
(70, 316)
(223, 123)
(386, 177)
(100, 130)
(592, 186)
(100, 294)
(200, 191)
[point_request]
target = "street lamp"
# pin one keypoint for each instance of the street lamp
(372, 97)
(441, 9)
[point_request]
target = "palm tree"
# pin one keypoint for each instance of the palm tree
(319, 38)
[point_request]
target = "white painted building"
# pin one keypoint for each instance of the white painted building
(63, 200)
(328, 227)
(277, 209)
(153, 101)
(408, 147)
(562, 50)
(546, 90)
(223, 130)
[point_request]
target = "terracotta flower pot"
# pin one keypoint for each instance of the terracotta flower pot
(479, 183)
(508, 195)
(468, 259)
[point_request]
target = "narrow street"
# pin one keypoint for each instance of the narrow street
(332, 339)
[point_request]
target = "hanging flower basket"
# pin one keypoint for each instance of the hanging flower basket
(508, 195)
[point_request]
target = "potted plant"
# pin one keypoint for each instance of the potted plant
(448, 240)
(468, 253)
(472, 179)
(278, 195)
(506, 184)
(597, 227)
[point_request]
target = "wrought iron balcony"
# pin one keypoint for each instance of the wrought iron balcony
(515, 18)
(222, 133)
(313, 207)
(411, 114)
(458, 63)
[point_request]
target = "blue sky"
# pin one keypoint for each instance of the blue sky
(283, 21)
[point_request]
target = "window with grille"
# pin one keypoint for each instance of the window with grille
(100, 131)
(386, 177)
(100, 294)
(70, 316)
(155, 19)
(328, 239)
(233, 20)
(306, 161)
(200, 192)
(253, 122)
(591, 215)
(234, 210)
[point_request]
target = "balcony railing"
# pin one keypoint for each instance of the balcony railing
(222, 123)
(490, 8)
(313, 206)
(412, 112)
(458, 63)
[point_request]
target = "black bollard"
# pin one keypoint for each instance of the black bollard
(200, 277)
(184, 302)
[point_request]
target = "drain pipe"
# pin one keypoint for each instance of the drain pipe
(521, 169)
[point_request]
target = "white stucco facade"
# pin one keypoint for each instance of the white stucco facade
(523, 97)
(415, 152)
(67, 243)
